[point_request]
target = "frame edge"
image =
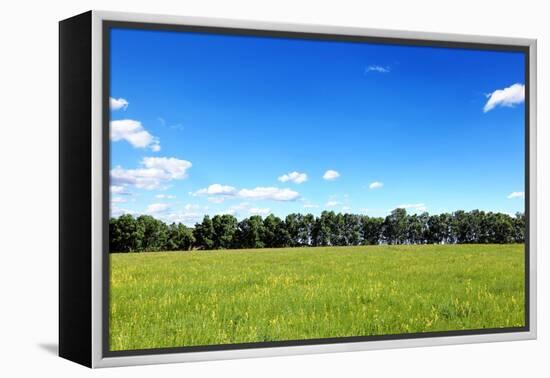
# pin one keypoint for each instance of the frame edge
(98, 360)
(75, 275)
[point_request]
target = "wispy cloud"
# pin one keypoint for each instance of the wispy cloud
(309, 205)
(218, 193)
(376, 185)
(516, 195)
(331, 204)
(157, 208)
(216, 199)
(118, 211)
(119, 189)
(237, 209)
(377, 68)
(175, 168)
(331, 175)
(134, 133)
(191, 207)
(269, 193)
(295, 177)
(259, 211)
(165, 196)
(189, 215)
(154, 172)
(217, 190)
(118, 103)
(508, 97)
(177, 126)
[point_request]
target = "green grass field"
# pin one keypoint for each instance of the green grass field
(235, 296)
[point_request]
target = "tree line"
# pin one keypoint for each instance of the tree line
(145, 233)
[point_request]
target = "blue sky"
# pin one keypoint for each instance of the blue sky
(209, 124)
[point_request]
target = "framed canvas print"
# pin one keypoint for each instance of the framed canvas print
(235, 189)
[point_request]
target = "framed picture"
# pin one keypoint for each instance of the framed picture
(235, 189)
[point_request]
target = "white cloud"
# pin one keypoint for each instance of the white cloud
(117, 211)
(156, 208)
(216, 199)
(189, 214)
(119, 189)
(377, 68)
(156, 171)
(218, 193)
(118, 103)
(295, 177)
(165, 196)
(118, 200)
(258, 211)
(413, 206)
(184, 217)
(141, 178)
(191, 207)
(516, 195)
(176, 168)
(217, 190)
(331, 175)
(308, 205)
(376, 185)
(346, 208)
(236, 209)
(269, 193)
(333, 204)
(510, 96)
(134, 133)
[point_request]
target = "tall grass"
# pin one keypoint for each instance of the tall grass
(236, 296)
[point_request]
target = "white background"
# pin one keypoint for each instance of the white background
(29, 189)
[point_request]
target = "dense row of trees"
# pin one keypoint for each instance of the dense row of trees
(145, 233)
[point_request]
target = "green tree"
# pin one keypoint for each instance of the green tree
(445, 221)
(125, 234)
(204, 233)
(155, 233)
(250, 232)
(322, 229)
(395, 226)
(275, 234)
(306, 230)
(435, 233)
(352, 229)
(519, 228)
(415, 229)
(294, 228)
(371, 230)
(476, 225)
(502, 226)
(461, 227)
(145, 233)
(180, 237)
(224, 227)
